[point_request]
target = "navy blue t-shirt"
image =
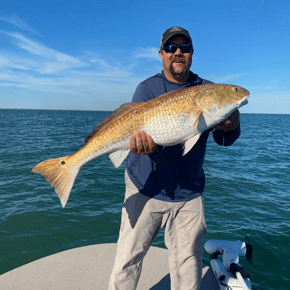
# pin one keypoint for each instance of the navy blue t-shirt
(166, 174)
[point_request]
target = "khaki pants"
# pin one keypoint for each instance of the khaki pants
(142, 219)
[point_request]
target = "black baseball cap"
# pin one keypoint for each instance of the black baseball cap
(173, 31)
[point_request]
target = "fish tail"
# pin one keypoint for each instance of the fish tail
(60, 174)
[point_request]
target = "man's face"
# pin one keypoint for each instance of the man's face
(177, 63)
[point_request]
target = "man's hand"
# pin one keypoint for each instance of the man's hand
(229, 124)
(141, 144)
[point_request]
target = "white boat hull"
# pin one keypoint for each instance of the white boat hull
(89, 268)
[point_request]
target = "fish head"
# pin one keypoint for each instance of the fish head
(218, 101)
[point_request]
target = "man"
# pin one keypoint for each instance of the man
(164, 188)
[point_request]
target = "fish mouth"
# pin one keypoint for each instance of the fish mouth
(243, 101)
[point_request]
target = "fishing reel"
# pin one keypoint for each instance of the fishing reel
(229, 273)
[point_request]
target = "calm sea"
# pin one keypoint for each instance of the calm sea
(247, 191)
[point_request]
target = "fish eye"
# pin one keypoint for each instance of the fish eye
(236, 89)
(62, 163)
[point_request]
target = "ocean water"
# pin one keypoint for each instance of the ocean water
(247, 192)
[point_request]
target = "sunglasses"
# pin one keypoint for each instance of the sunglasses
(184, 48)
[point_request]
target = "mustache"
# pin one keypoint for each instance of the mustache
(178, 59)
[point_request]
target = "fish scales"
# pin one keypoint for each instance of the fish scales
(176, 117)
(168, 107)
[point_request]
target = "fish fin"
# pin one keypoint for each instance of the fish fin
(188, 144)
(118, 157)
(123, 108)
(198, 114)
(59, 174)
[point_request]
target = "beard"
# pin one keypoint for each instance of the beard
(173, 72)
(181, 60)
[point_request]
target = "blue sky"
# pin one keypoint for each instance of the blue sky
(91, 55)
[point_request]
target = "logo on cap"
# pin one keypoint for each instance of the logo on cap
(175, 28)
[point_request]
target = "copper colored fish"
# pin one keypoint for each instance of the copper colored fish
(175, 117)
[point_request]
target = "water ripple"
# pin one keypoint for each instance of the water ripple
(246, 193)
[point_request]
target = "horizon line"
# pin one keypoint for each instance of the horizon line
(113, 111)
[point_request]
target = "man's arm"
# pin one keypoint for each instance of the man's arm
(228, 131)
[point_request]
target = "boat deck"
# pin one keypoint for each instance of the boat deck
(88, 268)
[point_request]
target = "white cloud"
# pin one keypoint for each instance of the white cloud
(148, 52)
(38, 68)
(17, 22)
(3, 62)
(51, 60)
(100, 62)
(227, 78)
